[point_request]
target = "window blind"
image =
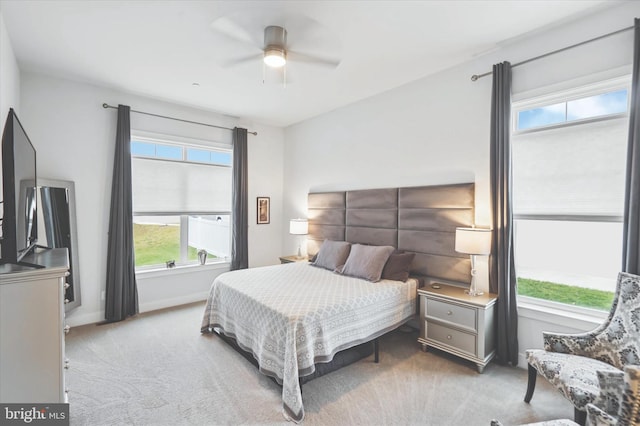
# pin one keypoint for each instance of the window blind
(178, 187)
(572, 170)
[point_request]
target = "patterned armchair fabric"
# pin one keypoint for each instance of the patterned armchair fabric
(618, 403)
(628, 394)
(560, 422)
(570, 361)
(611, 386)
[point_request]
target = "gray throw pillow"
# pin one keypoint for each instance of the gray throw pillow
(332, 255)
(398, 266)
(367, 261)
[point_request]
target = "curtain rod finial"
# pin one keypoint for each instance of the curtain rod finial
(105, 105)
(474, 77)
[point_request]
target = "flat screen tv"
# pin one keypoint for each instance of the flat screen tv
(19, 194)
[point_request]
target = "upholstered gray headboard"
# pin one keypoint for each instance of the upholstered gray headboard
(416, 219)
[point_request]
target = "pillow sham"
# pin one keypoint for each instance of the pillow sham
(332, 255)
(367, 261)
(398, 266)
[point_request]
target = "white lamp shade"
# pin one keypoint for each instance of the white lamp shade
(299, 227)
(473, 241)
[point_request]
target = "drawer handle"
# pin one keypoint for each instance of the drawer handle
(448, 337)
(66, 329)
(449, 313)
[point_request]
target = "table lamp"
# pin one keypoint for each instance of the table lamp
(473, 241)
(299, 227)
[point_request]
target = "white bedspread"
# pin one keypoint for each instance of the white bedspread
(294, 315)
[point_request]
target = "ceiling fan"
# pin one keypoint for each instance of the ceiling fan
(275, 50)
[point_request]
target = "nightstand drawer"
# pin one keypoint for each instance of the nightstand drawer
(454, 314)
(448, 336)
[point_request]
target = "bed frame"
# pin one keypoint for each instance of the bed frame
(421, 220)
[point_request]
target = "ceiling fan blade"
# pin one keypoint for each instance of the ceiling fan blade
(234, 31)
(243, 60)
(310, 59)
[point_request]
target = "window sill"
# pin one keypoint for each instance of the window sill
(559, 313)
(180, 269)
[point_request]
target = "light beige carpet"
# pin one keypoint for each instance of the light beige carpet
(157, 369)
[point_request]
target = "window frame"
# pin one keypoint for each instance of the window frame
(565, 95)
(184, 142)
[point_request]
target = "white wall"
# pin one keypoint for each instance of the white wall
(9, 76)
(9, 83)
(436, 130)
(74, 137)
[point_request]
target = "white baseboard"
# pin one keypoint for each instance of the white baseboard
(88, 318)
(522, 361)
(95, 317)
(176, 301)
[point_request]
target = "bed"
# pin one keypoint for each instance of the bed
(295, 317)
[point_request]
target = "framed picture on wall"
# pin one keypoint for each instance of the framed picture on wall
(264, 210)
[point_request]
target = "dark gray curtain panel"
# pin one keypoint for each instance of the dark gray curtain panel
(240, 200)
(631, 230)
(121, 291)
(502, 274)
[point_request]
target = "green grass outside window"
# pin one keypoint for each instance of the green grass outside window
(562, 293)
(156, 244)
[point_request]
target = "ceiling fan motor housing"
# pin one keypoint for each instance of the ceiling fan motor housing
(275, 39)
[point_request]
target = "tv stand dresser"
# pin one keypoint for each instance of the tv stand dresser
(32, 329)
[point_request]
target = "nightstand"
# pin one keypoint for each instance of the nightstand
(457, 323)
(293, 258)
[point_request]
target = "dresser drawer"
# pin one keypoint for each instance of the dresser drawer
(460, 340)
(454, 314)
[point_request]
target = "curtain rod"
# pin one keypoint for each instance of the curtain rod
(105, 105)
(477, 76)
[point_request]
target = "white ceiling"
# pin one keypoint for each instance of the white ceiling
(160, 48)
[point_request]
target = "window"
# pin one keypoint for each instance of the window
(569, 159)
(181, 202)
(602, 105)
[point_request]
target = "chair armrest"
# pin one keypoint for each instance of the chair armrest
(597, 417)
(576, 344)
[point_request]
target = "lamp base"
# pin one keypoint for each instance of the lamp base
(473, 288)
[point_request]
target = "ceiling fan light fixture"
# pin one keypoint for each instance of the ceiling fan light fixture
(275, 57)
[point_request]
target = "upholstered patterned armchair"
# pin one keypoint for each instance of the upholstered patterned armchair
(618, 403)
(571, 361)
